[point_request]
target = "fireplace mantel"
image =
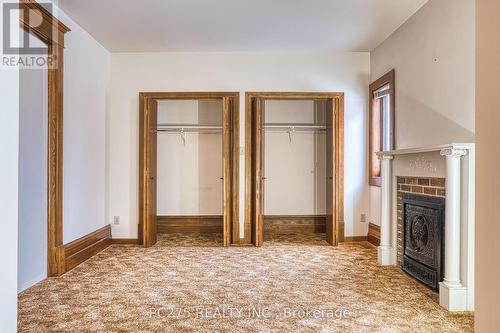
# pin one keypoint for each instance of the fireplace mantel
(419, 150)
(456, 163)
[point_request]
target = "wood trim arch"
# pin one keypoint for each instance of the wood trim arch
(51, 31)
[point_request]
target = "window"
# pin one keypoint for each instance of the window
(381, 123)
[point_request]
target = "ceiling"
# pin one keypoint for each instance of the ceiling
(240, 25)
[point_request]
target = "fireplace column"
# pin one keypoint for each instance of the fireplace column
(452, 295)
(385, 250)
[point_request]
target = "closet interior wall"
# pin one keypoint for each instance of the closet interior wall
(189, 166)
(295, 167)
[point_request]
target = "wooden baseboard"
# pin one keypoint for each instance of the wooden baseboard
(126, 241)
(85, 247)
(341, 232)
(355, 239)
(374, 234)
(190, 224)
(304, 224)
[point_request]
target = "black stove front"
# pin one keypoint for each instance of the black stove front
(423, 238)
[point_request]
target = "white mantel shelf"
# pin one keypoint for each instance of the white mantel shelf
(407, 151)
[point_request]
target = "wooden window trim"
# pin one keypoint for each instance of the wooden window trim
(389, 79)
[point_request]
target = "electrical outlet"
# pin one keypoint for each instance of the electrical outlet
(116, 220)
(363, 218)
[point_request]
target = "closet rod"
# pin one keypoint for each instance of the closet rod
(294, 127)
(290, 129)
(180, 126)
(187, 128)
(298, 125)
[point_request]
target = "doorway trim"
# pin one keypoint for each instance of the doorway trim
(254, 230)
(51, 31)
(230, 101)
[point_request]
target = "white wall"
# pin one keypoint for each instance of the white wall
(188, 175)
(433, 54)
(252, 71)
(9, 150)
(32, 230)
(9, 131)
(86, 80)
(295, 171)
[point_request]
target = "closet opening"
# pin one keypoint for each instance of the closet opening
(295, 166)
(188, 171)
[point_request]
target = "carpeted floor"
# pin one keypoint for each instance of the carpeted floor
(291, 284)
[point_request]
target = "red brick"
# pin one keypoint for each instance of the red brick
(441, 192)
(401, 180)
(406, 188)
(416, 189)
(430, 190)
(411, 180)
(438, 182)
(424, 181)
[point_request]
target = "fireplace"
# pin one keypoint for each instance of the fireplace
(447, 174)
(423, 242)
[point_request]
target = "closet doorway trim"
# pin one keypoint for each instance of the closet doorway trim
(147, 171)
(254, 228)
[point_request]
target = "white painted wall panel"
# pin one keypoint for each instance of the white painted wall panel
(86, 80)
(32, 230)
(9, 150)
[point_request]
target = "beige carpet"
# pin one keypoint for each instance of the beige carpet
(292, 284)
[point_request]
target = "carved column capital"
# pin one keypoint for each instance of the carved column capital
(385, 157)
(453, 152)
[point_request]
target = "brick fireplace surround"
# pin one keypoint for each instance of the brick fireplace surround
(434, 187)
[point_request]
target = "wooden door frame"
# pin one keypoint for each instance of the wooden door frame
(231, 221)
(51, 31)
(338, 108)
